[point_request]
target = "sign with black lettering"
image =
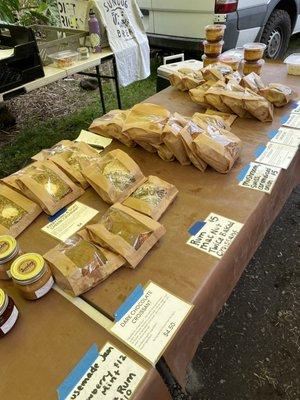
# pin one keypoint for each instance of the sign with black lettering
(110, 375)
(259, 177)
(73, 13)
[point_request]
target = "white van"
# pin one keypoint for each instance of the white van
(179, 24)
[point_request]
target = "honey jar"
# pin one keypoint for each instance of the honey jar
(9, 251)
(32, 276)
(8, 313)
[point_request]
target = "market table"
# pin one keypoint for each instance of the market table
(48, 340)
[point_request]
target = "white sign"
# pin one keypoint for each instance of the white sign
(260, 177)
(288, 136)
(297, 109)
(73, 219)
(151, 323)
(216, 235)
(277, 155)
(93, 139)
(73, 13)
(112, 376)
(293, 121)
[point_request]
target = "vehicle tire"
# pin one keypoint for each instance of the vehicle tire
(276, 34)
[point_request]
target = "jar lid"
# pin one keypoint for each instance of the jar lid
(2, 298)
(255, 46)
(8, 245)
(27, 266)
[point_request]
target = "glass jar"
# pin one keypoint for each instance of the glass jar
(8, 313)
(32, 276)
(9, 251)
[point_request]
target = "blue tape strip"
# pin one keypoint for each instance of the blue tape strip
(77, 373)
(261, 148)
(284, 119)
(294, 104)
(129, 302)
(272, 134)
(193, 230)
(58, 214)
(243, 172)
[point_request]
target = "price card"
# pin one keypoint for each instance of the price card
(287, 136)
(297, 108)
(258, 177)
(68, 223)
(149, 319)
(275, 154)
(110, 375)
(215, 235)
(93, 139)
(292, 121)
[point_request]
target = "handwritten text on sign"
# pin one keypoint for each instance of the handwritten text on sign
(260, 177)
(216, 235)
(149, 325)
(112, 376)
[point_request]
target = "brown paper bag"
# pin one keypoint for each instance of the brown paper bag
(11, 180)
(152, 198)
(146, 146)
(259, 107)
(111, 125)
(205, 120)
(188, 134)
(59, 147)
(115, 176)
(277, 94)
(146, 122)
(191, 78)
(172, 139)
(253, 82)
(126, 232)
(16, 211)
(228, 118)
(197, 95)
(218, 148)
(74, 159)
(79, 265)
(176, 80)
(44, 183)
(233, 96)
(213, 96)
(216, 72)
(164, 153)
(236, 77)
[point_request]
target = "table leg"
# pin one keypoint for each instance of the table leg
(100, 89)
(117, 83)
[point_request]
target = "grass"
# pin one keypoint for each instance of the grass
(37, 135)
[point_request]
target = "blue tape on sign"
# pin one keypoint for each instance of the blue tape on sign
(294, 104)
(272, 134)
(129, 302)
(193, 230)
(284, 119)
(77, 373)
(243, 172)
(58, 214)
(261, 148)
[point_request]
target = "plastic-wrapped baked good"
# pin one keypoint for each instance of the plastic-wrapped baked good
(216, 72)
(44, 183)
(215, 32)
(249, 67)
(253, 82)
(152, 198)
(127, 233)
(208, 60)
(191, 78)
(78, 264)
(198, 94)
(219, 148)
(146, 122)
(278, 94)
(111, 125)
(214, 98)
(213, 49)
(254, 51)
(228, 118)
(172, 139)
(114, 176)
(215, 120)
(233, 61)
(236, 76)
(188, 135)
(16, 211)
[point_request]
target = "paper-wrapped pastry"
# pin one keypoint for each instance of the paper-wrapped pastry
(114, 176)
(74, 159)
(216, 72)
(16, 211)
(253, 82)
(205, 120)
(188, 134)
(259, 107)
(79, 265)
(278, 94)
(228, 118)
(152, 198)
(164, 152)
(111, 125)
(58, 148)
(176, 80)
(172, 139)
(218, 148)
(214, 98)
(198, 94)
(191, 78)
(45, 184)
(236, 76)
(146, 146)
(233, 96)
(146, 122)
(126, 232)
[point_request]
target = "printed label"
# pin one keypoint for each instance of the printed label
(75, 217)
(260, 177)
(216, 235)
(44, 289)
(151, 323)
(277, 155)
(93, 139)
(293, 121)
(6, 327)
(287, 136)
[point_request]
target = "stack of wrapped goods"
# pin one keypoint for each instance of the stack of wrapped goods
(253, 58)
(213, 44)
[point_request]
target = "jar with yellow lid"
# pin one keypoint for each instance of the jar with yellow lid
(32, 276)
(8, 313)
(9, 251)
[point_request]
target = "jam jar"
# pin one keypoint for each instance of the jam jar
(31, 276)
(8, 313)
(9, 251)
